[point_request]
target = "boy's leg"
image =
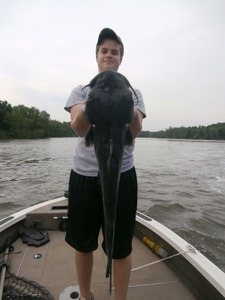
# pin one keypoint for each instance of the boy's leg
(83, 225)
(121, 276)
(84, 264)
(124, 230)
(125, 222)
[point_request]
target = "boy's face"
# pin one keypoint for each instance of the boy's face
(108, 56)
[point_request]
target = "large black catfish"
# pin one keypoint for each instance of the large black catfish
(109, 108)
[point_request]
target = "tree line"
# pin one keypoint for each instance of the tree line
(21, 122)
(211, 132)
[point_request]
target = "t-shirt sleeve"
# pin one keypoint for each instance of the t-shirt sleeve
(139, 103)
(77, 96)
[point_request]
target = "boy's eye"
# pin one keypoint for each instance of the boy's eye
(113, 52)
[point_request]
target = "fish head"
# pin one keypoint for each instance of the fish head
(110, 100)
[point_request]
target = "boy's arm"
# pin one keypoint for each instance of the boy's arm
(79, 123)
(136, 124)
(81, 126)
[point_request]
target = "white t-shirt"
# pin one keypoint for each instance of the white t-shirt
(84, 158)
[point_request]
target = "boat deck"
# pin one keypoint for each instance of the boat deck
(55, 270)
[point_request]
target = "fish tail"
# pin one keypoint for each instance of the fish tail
(110, 284)
(109, 274)
(108, 270)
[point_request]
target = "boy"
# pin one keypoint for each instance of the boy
(85, 214)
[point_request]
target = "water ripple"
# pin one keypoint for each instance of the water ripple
(181, 183)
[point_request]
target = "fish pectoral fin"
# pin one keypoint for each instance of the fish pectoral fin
(89, 140)
(128, 137)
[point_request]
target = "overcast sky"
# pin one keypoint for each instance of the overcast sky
(174, 53)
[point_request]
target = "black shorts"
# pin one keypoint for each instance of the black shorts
(85, 213)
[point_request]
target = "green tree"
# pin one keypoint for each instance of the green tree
(24, 122)
(5, 109)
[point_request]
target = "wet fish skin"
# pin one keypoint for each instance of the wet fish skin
(110, 99)
(109, 108)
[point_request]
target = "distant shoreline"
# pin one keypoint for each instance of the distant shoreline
(21, 122)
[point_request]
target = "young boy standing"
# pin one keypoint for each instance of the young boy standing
(85, 213)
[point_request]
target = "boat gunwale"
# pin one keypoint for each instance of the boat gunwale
(201, 263)
(205, 267)
(22, 214)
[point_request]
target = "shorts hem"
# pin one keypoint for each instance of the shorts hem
(80, 249)
(119, 256)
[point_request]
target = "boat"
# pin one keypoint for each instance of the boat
(37, 263)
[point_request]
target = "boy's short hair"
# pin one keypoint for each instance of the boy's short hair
(108, 33)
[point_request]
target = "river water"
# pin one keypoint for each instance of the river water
(181, 183)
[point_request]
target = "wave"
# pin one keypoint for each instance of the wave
(34, 161)
(211, 246)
